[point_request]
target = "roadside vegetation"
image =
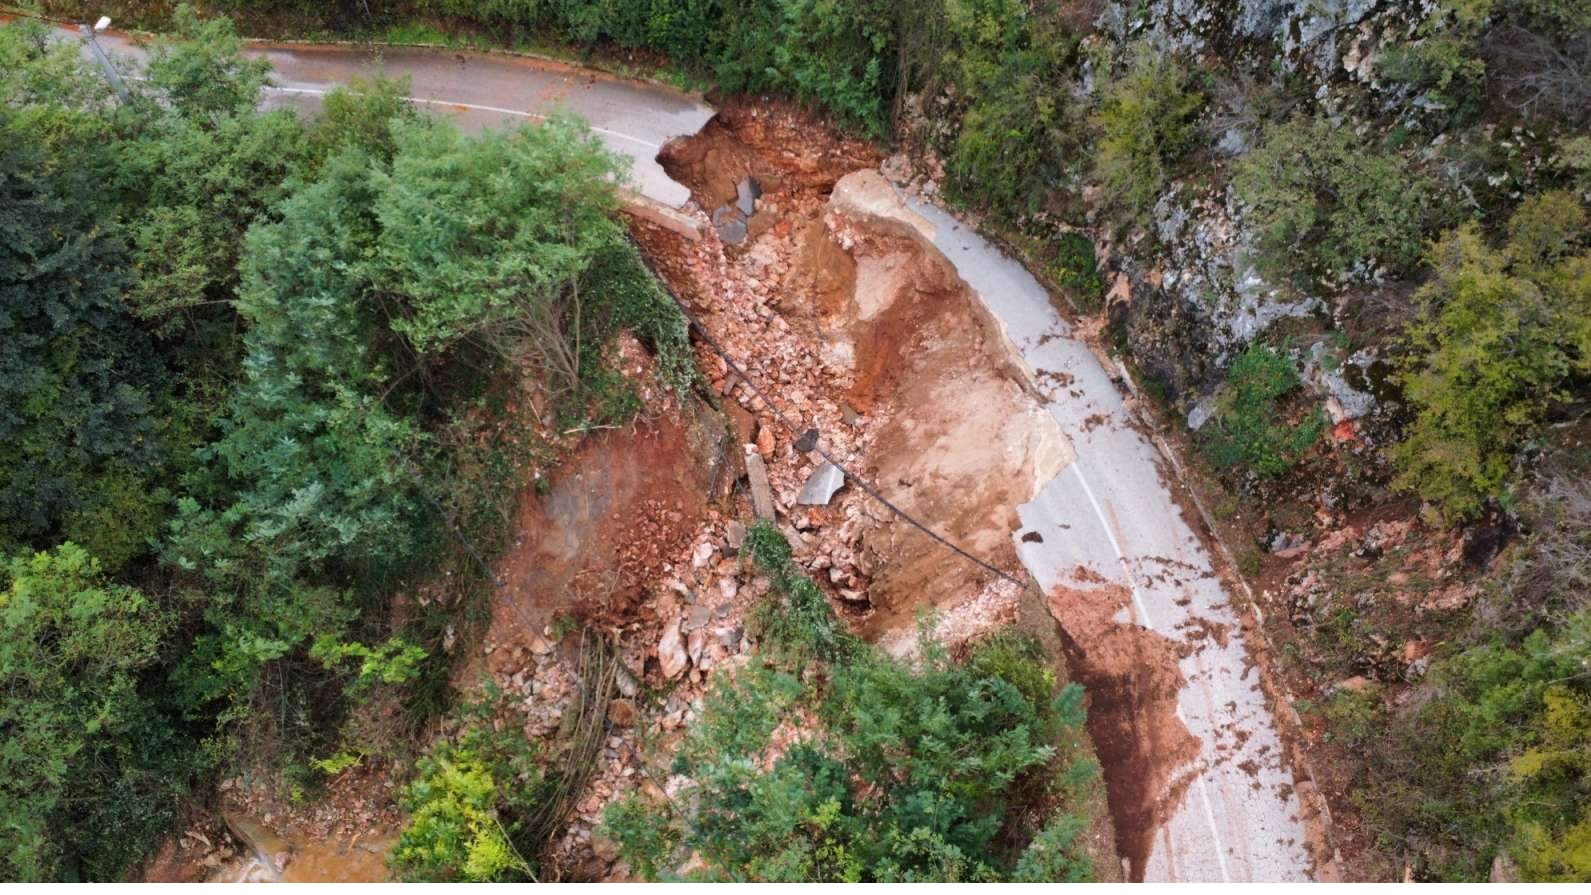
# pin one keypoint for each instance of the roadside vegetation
(827, 761)
(256, 380)
(267, 375)
(1247, 430)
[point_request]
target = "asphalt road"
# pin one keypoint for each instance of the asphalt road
(1110, 511)
(634, 119)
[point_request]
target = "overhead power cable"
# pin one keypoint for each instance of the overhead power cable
(799, 432)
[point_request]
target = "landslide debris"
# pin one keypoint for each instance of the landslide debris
(1132, 679)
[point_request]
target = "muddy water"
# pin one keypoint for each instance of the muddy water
(272, 859)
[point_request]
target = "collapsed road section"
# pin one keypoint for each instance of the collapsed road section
(1200, 785)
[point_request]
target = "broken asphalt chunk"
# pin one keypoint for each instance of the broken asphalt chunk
(821, 485)
(747, 192)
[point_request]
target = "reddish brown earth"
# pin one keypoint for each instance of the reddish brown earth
(616, 512)
(853, 327)
(1132, 679)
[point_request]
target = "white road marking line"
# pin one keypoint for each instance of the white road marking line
(312, 91)
(1138, 603)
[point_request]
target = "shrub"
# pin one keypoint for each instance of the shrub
(1518, 709)
(1498, 333)
(1017, 134)
(466, 807)
(1146, 121)
(911, 776)
(840, 55)
(1442, 67)
(77, 377)
(204, 73)
(1320, 201)
(1443, 63)
(73, 651)
(1354, 715)
(500, 250)
(1077, 269)
(902, 770)
(1246, 429)
(800, 625)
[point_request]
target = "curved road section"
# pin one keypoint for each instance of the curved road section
(1110, 513)
(1111, 516)
(634, 119)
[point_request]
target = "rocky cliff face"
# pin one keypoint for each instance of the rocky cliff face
(1317, 38)
(1187, 293)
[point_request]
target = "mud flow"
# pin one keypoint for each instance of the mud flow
(1132, 679)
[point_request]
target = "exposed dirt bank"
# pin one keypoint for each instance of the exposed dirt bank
(867, 335)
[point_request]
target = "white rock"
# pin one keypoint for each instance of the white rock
(671, 653)
(703, 555)
(694, 644)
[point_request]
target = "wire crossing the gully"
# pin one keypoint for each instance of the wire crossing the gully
(735, 368)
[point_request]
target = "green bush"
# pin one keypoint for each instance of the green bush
(1444, 62)
(1246, 430)
(467, 807)
(1076, 269)
(78, 381)
(911, 778)
(1498, 334)
(907, 770)
(1494, 759)
(798, 626)
(1146, 121)
(74, 650)
(1018, 136)
(1443, 68)
(1320, 202)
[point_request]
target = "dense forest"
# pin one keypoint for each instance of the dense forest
(257, 367)
(256, 374)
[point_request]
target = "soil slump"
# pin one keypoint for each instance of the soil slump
(615, 510)
(1132, 679)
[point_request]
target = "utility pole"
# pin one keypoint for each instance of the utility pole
(105, 65)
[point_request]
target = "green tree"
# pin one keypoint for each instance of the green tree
(1321, 201)
(203, 72)
(490, 236)
(75, 374)
(73, 650)
(1498, 334)
(1146, 121)
(370, 295)
(1018, 135)
(200, 185)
